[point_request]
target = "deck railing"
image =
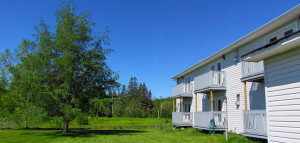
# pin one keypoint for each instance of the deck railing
(252, 68)
(182, 89)
(255, 122)
(182, 118)
(202, 119)
(210, 79)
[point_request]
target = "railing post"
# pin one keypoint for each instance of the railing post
(174, 104)
(181, 104)
(211, 100)
(245, 94)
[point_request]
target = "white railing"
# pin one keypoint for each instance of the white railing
(182, 88)
(255, 122)
(202, 119)
(252, 68)
(182, 118)
(210, 79)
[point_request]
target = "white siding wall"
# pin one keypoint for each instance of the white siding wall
(283, 96)
(234, 87)
(255, 91)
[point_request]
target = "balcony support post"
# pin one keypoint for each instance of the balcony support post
(181, 104)
(174, 100)
(211, 100)
(245, 94)
(196, 102)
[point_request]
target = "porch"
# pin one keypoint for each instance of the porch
(182, 118)
(202, 120)
(255, 123)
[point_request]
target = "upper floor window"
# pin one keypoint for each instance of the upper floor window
(273, 39)
(219, 66)
(212, 68)
(280, 33)
(288, 32)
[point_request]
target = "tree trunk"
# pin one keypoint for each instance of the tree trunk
(25, 124)
(66, 127)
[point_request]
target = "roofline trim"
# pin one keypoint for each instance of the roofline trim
(240, 41)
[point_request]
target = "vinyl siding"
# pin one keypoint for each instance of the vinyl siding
(283, 96)
(234, 87)
(255, 91)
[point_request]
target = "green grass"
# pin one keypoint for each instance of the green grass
(129, 130)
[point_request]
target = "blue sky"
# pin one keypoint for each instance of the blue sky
(153, 39)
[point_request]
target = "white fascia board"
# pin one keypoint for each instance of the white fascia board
(274, 50)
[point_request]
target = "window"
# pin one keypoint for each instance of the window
(185, 109)
(189, 79)
(212, 68)
(273, 39)
(237, 56)
(238, 100)
(189, 108)
(185, 80)
(289, 32)
(219, 66)
(280, 33)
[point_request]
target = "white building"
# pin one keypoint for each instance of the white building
(260, 76)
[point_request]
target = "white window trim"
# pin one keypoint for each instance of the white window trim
(294, 23)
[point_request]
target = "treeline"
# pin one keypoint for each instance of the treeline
(136, 100)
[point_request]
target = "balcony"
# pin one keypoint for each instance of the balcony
(212, 80)
(182, 118)
(183, 90)
(252, 71)
(202, 120)
(255, 123)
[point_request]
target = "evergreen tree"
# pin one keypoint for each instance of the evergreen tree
(132, 87)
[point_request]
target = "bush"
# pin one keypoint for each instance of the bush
(57, 122)
(82, 120)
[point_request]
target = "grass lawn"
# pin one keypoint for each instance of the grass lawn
(146, 131)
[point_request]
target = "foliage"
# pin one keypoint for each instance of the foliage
(58, 75)
(162, 106)
(133, 101)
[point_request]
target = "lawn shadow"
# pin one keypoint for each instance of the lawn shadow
(91, 133)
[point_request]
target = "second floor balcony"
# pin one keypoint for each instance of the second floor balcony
(252, 71)
(212, 80)
(183, 90)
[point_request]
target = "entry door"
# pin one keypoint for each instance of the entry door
(218, 104)
(216, 75)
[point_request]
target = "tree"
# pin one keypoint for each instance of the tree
(65, 70)
(132, 87)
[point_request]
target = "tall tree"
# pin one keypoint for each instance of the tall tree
(68, 66)
(132, 87)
